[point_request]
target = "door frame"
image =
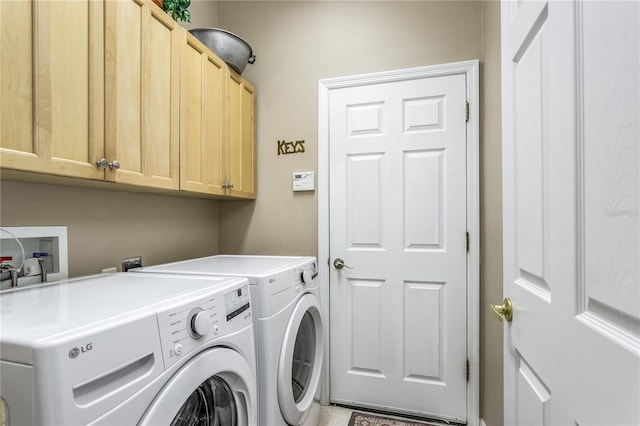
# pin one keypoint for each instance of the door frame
(470, 69)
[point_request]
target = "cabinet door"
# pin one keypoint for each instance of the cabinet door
(241, 164)
(51, 87)
(142, 94)
(203, 119)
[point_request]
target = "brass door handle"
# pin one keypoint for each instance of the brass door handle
(504, 311)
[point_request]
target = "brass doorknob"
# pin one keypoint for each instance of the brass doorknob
(504, 311)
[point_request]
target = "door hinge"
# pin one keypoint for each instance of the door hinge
(466, 111)
(467, 242)
(467, 370)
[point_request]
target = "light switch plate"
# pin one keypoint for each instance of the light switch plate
(304, 181)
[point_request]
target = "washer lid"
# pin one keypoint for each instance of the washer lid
(245, 266)
(57, 311)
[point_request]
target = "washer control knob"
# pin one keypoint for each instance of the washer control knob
(200, 324)
(306, 276)
(177, 349)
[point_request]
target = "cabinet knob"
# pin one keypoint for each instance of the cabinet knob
(104, 163)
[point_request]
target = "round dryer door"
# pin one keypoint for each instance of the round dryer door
(216, 387)
(300, 361)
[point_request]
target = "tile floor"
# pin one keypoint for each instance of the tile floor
(331, 415)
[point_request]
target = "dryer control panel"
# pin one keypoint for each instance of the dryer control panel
(189, 326)
(274, 292)
(306, 275)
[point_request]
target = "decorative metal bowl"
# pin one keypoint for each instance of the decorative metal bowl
(229, 47)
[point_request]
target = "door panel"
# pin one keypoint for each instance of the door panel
(610, 165)
(158, 99)
(526, 208)
(65, 92)
(142, 66)
(571, 188)
(366, 331)
(124, 90)
(528, 175)
(364, 200)
(202, 152)
(192, 149)
(52, 87)
(16, 69)
(423, 314)
(423, 207)
(534, 398)
(398, 219)
(241, 164)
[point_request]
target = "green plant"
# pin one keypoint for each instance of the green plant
(178, 9)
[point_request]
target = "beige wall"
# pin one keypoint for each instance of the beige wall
(204, 14)
(105, 226)
(491, 380)
(299, 43)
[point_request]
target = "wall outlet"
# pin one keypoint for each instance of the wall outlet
(131, 262)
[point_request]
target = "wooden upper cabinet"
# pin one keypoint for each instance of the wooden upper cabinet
(120, 83)
(217, 150)
(142, 100)
(202, 146)
(241, 165)
(51, 88)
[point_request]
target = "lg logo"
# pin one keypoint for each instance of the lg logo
(75, 352)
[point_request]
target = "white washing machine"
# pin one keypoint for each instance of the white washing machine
(288, 326)
(126, 349)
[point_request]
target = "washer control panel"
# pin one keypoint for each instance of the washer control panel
(185, 327)
(198, 323)
(236, 302)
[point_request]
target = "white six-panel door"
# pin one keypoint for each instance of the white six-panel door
(398, 216)
(571, 192)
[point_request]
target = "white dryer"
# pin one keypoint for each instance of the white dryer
(288, 326)
(126, 349)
